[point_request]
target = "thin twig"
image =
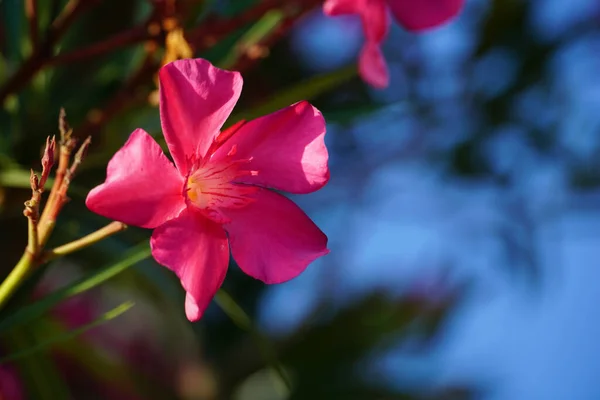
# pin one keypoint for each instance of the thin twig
(67, 143)
(61, 195)
(250, 57)
(129, 37)
(108, 230)
(32, 18)
(30, 256)
(32, 212)
(47, 160)
(32, 206)
(78, 159)
(44, 51)
(131, 93)
(215, 28)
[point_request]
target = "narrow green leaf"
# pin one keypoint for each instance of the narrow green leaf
(243, 321)
(19, 178)
(260, 30)
(306, 90)
(93, 361)
(115, 312)
(348, 113)
(231, 8)
(40, 377)
(88, 282)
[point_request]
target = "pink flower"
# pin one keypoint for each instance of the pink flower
(413, 15)
(217, 195)
(10, 384)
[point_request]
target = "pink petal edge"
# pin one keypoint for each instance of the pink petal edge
(272, 239)
(195, 100)
(424, 14)
(372, 66)
(287, 148)
(342, 7)
(375, 20)
(196, 249)
(142, 186)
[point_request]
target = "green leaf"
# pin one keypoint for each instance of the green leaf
(260, 30)
(115, 312)
(40, 377)
(348, 113)
(19, 178)
(243, 321)
(88, 282)
(233, 7)
(306, 90)
(12, 21)
(103, 368)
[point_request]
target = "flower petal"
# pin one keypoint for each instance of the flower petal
(272, 239)
(341, 7)
(374, 16)
(195, 100)
(142, 186)
(286, 147)
(372, 66)
(424, 14)
(196, 249)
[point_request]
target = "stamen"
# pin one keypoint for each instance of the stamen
(212, 188)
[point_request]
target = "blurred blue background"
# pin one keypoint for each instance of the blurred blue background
(480, 165)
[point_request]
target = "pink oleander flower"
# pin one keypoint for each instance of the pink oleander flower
(217, 195)
(413, 15)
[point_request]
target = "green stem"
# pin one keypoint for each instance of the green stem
(243, 321)
(32, 236)
(35, 310)
(28, 261)
(12, 282)
(108, 230)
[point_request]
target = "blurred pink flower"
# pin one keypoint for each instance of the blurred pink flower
(217, 193)
(413, 15)
(10, 386)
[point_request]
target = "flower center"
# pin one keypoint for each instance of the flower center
(211, 188)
